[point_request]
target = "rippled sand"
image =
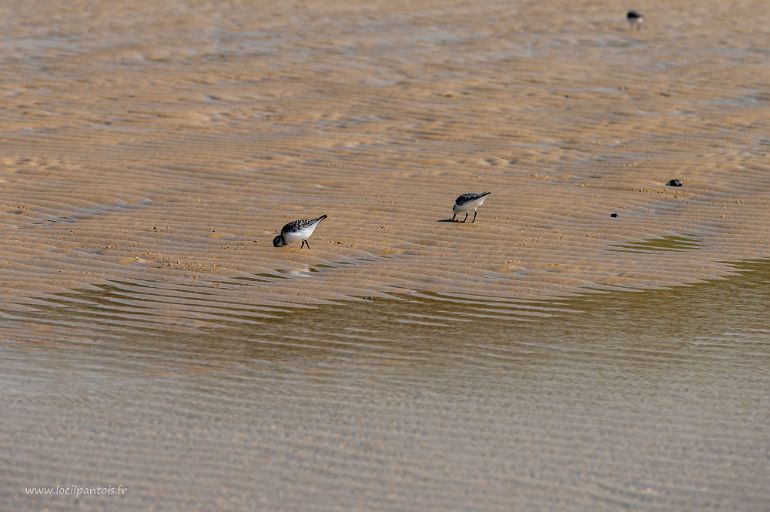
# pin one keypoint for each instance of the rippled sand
(174, 143)
(657, 400)
(148, 325)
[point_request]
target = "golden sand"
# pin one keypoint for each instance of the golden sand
(170, 144)
(152, 336)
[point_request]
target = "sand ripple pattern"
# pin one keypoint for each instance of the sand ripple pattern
(616, 400)
(176, 155)
(150, 155)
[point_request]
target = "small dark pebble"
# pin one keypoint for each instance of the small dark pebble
(674, 183)
(613, 214)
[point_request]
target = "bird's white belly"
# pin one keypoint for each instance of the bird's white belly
(470, 205)
(298, 236)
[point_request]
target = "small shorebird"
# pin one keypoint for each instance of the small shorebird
(297, 230)
(468, 202)
(635, 19)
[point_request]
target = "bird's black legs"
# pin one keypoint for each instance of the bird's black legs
(304, 243)
(474, 216)
(466, 217)
(453, 216)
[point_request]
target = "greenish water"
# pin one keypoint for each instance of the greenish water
(666, 243)
(632, 400)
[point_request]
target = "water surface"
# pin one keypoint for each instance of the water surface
(620, 400)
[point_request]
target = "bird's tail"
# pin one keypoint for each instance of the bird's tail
(322, 217)
(485, 194)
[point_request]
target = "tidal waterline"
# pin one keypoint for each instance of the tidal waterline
(655, 399)
(151, 336)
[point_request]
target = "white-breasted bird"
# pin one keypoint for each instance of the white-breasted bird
(635, 19)
(297, 230)
(467, 202)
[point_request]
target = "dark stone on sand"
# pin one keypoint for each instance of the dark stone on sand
(613, 214)
(674, 183)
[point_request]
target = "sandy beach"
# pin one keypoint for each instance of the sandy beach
(151, 154)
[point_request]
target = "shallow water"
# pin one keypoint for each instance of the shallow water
(658, 399)
(666, 243)
(546, 357)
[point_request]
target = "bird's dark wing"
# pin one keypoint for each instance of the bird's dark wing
(471, 196)
(298, 225)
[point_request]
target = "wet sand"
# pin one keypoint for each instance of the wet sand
(150, 156)
(656, 400)
(175, 143)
